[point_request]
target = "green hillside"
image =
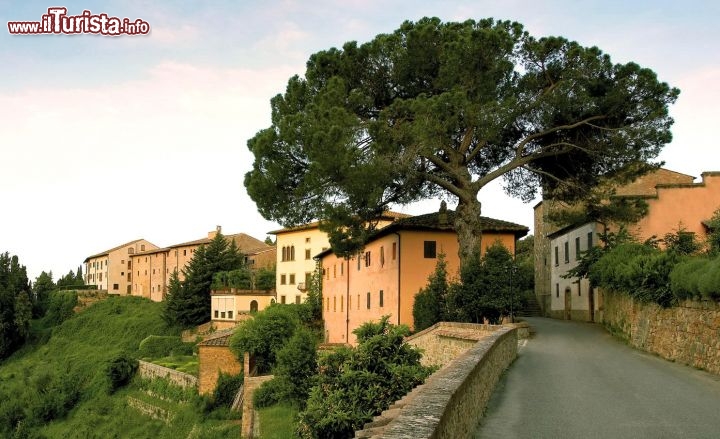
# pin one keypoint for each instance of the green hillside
(59, 387)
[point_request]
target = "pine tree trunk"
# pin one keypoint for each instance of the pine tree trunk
(468, 228)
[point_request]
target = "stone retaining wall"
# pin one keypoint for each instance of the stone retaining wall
(150, 370)
(688, 333)
(445, 341)
(451, 402)
(250, 384)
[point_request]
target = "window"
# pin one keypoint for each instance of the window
(222, 314)
(341, 303)
(292, 279)
(297, 299)
(382, 256)
(122, 262)
(283, 258)
(589, 240)
(254, 306)
(430, 249)
(131, 251)
(116, 287)
(557, 290)
(100, 278)
(349, 302)
(158, 288)
(557, 259)
(358, 260)
(342, 266)
(129, 277)
(307, 254)
(382, 302)
(327, 304)
(283, 279)
(358, 302)
(153, 271)
(334, 270)
(567, 252)
(577, 248)
(185, 252)
(230, 313)
(282, 300)
(129, 265)
(394, 250)
(122, 273)
(145, 258)
(334, 303)
(217, 313)
(292, 253)
(142, 247)
(367, 259)
(307, 240)
(368, 300)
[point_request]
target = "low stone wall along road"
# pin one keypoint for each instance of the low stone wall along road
(574, 380)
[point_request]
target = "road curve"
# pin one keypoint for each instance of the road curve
(574, 380)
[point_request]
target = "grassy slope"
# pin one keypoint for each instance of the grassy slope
(59, 389)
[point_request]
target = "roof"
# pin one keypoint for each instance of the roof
(220, 338)
(387, 215)
(646, 185)
(245, 243)
(432, 222)
(107, 252)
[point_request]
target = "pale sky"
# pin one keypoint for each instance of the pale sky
(108, 139)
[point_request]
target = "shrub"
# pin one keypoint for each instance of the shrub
(120, 371)
(270, 392)
(155, 346)
(226, 389)
(685, 276)
(265, 279)
(60, 307)
(709, 279)
(356, 384)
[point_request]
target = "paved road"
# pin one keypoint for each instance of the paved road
(574, 380)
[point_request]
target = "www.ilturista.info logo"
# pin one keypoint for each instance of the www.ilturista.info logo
(56, 21)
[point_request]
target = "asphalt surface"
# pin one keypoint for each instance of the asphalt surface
(574, 380)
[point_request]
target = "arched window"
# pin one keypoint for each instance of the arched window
(253, 306)
(292, 253)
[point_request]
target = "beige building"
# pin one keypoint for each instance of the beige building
(675, 202)
(296, 247)
(111, 270)
(393, 267)
(152, 269)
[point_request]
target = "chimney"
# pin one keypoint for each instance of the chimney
(442, 215)
(213, 234)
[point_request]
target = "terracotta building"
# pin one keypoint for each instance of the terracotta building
(296, 247)
(675, 202)
(111, 270)
(393, 267)
(152, 269)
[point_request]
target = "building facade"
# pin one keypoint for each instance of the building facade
(675, 203)
(152, 269)
(111, 270)
(296, 248)
(392, 268)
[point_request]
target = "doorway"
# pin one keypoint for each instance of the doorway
(568, 303)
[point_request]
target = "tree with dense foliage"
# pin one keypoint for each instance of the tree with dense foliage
(484, 288)
(188, 302)
(41, 292)
(355, 384)
(15, 304)
(430, 304)
(443, 109)
(265, 334)
(73, 279)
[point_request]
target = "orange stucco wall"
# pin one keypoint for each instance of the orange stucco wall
(400, 276)
(683, 206)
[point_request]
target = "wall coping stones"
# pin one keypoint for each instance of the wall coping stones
(451, 402)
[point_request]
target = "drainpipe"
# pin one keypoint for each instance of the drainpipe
(399, 272)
